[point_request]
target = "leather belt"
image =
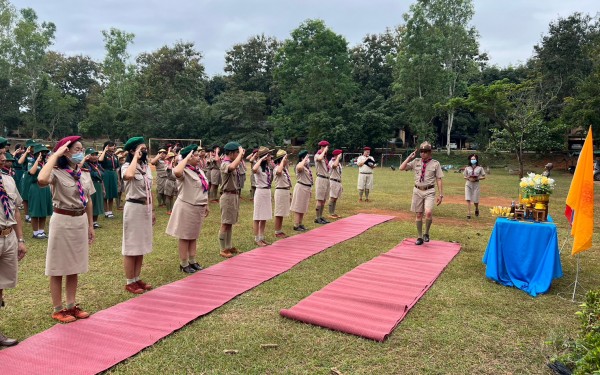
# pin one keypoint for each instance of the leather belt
(282, 188)
(137, 201)
(68, 212)
(425, 187)
(263, 187)
(5, 232)
(230, 191)
(302, 183)
(366, 172)
(335, 179)
(320, 175)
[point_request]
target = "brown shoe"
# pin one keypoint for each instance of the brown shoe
(234, 250)
(226, 253)
(335, 216)
(260, 243)
(5, 341)
(134, 288)
(63, 316)
(78, 313)
(281, 235)
(264, 243)
(143, 285)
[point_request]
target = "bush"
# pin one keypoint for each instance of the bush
(582, 355)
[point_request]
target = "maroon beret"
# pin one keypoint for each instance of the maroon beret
(71, 138)
(323, 143)
(337, 152)
(367, 148)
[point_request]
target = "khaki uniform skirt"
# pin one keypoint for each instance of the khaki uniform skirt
(322, 189)
(282, 202)
(186, 220)
(472, 191)
(263, 207)
(335, 189)
(137, 229)
(301, 198)
(68, 247)
(230, 208)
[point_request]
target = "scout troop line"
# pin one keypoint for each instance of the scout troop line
(80, 184)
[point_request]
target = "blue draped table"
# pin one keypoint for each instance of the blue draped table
(524, 255)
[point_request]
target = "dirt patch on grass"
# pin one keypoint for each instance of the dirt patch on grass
(410, 216)
(483, 201)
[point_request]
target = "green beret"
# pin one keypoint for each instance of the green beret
(132, 143)
(302, 154)
(39, 148)
(9, 157)
(90, 150)
(191, 148)
(30, 142)
(232, 146)
(3, 142)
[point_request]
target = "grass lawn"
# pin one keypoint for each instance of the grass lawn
(465, 324)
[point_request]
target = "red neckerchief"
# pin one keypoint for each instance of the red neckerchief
(76, 174)
(202, 179)
(424, 168)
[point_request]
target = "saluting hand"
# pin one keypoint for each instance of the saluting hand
(61, 151)
(138, 152)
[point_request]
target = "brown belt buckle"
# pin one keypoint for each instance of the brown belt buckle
(5, 232)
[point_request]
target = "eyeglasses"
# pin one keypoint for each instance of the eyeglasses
(425, 150)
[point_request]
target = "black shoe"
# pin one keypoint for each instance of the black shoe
(303, 227)
(298, 228)
(96, 226)
(426, 237)
(476, 212)
(318, 221)
(325, 221)
(187, 269)
(2, 304)
(196, 266)
(419, 241)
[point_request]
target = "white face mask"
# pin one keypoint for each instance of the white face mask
(473, 161)
(77, 158)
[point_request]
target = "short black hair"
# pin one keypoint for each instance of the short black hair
(108, 143)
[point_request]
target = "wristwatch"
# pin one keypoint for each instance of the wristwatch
(21, 240)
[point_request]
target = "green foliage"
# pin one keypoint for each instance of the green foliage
(582, 355)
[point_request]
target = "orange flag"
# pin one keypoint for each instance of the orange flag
(580, 201)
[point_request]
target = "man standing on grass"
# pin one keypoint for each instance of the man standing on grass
(366, 164)
(322, 184)
(230, 198)
(12, 244)
(428, 172)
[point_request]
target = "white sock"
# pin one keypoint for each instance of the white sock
(36, 232)
(129, 281)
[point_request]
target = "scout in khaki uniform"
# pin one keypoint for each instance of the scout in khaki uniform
(302, 190)
(335, 182)
(473, 173)
(283, 184)
(322, 183)
(71, 225)
(12, 244)
(428, 172)
(263, 208)
(190, 209)
(214, 165)
(161, 175)
(366, 164)
(93, 167)
(252, 159)
(230, 199)
(138, 213)
(110, 163)
(170, 187)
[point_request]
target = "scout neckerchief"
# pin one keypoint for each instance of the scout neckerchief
(287, 176)
(76, 174)
(95, 167)
(201, 175)
(8, 171)
(269, 176)
(4, 199)
(423, 169)
(473, 171)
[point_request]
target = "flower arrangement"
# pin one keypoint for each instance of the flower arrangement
(536, 184)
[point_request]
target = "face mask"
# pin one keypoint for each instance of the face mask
(77, 158)
(473, 161)
(144, 156)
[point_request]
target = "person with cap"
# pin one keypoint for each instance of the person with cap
(283, 184)
(4, 145)
(302, 190)
(263, 208)
(24, 161)
(71, 225)
(428, 173)
(230, 199)
(7, 168)
(93, 167)
(214, 164)
(473, 173)
(18, 168)
(12, 244)
(170, 189)
(547, 168)
(121, 155)
(161, 175)
(138, 213)
(203, 163)
(322, 183)
(110, 162)
(40, 196)
(252, 160)
(190, 208)
(335, 182)
(366, 164)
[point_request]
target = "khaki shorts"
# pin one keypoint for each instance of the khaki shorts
(230, 208)
(8, 261)
(322, 189)
(422, 200)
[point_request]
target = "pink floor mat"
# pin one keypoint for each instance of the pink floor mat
(372, 299)
(110, 336)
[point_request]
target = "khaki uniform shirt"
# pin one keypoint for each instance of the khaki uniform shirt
(322, 167)
(263, 179)
(161, 168)
(136, 187)
(65, 193)
(14, 201)
(364, 168)
(305, 177)
(231, 179)
(190, 188)
(433, 171)
(335, 173)
(282, 180)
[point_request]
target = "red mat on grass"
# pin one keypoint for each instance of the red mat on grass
(372, 299)
(110, 336)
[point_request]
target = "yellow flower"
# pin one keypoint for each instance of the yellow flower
(531, 183)
(544, 180)
(523, 184)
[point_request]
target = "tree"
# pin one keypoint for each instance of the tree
(250, 65)
(313, 75)
(116, 67)
(438, 53)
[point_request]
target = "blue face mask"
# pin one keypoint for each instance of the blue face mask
(473, 161)
(77, 158)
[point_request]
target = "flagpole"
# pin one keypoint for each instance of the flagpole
(576, 279)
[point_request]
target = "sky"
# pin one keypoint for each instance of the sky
(508, 28)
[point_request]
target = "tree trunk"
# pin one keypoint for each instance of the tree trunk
(450, 123)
